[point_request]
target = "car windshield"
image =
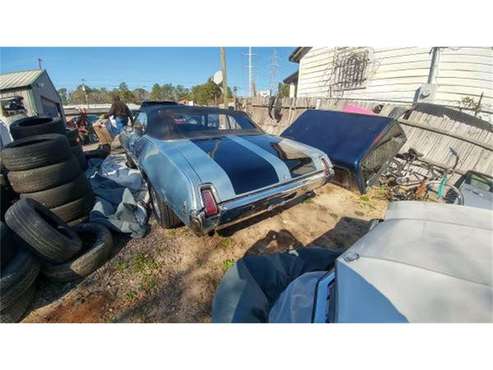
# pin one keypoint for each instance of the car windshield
(170, 124)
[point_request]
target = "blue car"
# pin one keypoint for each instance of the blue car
(208, 168)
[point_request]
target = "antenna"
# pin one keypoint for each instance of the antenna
(274, 66)
(39, 63)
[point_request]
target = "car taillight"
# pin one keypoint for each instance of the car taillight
(210, 205)
(326, 166)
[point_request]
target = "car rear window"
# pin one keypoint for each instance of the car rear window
(169, 124)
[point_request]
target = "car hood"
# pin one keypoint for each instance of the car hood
(240, 164)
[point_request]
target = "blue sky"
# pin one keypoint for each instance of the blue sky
(141, 67)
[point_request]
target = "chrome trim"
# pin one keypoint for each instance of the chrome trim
(267, 199)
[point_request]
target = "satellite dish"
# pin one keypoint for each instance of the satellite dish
(218, 77)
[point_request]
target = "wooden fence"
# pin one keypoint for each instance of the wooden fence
(431, 134)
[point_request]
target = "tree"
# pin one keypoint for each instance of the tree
(64, 96)
(140, 94)
(206, 93)
(182, 92)
(155, 92)
(124, 93)
(283, 90)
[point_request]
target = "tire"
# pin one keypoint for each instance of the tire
(75, 209)
(164, 215)
(79, 154)
(62, 194)
(7, 196)
(16, 311)
(7, 246)
(78, 221)
(11, 293)
(47, 235)
(42, 178)
(72, 136)
(31, 126)
(97, 245)
(17, 267)
(35, 151)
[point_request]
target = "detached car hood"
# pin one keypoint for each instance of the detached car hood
(241, 164)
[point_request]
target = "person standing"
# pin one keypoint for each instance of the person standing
(121, 114)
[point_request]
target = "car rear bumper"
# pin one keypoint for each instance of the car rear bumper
(253, 204)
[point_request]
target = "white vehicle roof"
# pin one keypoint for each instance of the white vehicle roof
(426, 262)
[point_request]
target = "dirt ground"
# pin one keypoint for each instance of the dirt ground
(171, 275)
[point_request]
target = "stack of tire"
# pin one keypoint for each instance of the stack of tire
(38, 240)
(43, 168)
(76, 147)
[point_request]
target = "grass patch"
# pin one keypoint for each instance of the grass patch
(364, 198)
(228, 264)
(225, 243)
(121, 266)
(131, 295)
(143, 264)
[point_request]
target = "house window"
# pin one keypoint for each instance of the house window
(350, 70)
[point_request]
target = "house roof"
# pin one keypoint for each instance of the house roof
(298, 53)
(16, 80)
(291, 78)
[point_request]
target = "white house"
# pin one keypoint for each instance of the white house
(450, 76)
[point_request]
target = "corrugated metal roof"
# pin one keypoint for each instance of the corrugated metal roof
(19, 79)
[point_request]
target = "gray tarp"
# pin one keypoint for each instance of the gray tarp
(121, 196)
(252, 287)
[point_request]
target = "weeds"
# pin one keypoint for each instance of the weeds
(228, 264)
(225, 243)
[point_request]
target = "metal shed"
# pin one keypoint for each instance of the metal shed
(35, 86)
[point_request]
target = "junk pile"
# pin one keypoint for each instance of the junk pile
(121, 195)
(47, 199)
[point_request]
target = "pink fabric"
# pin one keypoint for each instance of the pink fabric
(351, 108)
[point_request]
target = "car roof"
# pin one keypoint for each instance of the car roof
(427, 262)
(190, 109)
(345, 137)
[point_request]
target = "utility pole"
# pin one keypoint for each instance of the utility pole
(39, 63)
(273, 72)
(225, 81)
(250, 72)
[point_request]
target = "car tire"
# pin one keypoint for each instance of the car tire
(17, 310)
(164, 215)
(97, 246)
(35, 151)
(79, 154)
(7, 246)
(7, 196)
(20, 280)
(62, 194)
(46, 234)
(78, 221)
(75, 209)
(32, 126)
(42, 178)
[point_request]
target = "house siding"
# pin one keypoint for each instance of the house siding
(395, 74)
